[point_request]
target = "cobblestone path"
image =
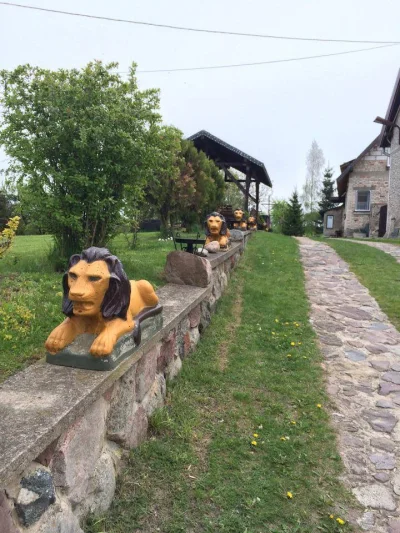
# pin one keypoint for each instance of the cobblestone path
(386, 247)
(362, 363)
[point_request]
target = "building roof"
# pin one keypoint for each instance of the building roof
(343, 179)
(224, 154)
(391, 113)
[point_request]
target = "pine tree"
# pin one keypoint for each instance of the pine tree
(327, 192)
(293, 223)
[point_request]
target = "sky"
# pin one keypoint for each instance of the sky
(272, 112)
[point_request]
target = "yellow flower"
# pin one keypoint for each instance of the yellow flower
(299, 343)
(292, 344)
(289, 495)
(276, 320)
(331, 516)
(289, 355)
(273, 333)
(59, 293)
(319, 405)
(340, 521)
(254, 442)
(255, 435)
(297, 325)
(293, 422)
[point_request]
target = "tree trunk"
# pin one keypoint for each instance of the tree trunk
(165, 218)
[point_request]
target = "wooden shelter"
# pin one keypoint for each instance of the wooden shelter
(226, 156)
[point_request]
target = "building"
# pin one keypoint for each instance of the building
(389, 140)
(363, 194)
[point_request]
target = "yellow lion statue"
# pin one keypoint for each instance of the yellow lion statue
(100, 299)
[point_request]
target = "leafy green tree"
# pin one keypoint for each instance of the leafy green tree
(293, 223)
(77, 139)
(233, 196)
(278, 214)
(327, 192)
(6, 207)
(186, 185)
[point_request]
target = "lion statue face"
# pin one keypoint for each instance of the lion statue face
(88, 284)
(238, 214)
(251, 220)
(95, 284)
(215, 224)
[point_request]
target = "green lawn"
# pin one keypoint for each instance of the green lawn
(244, 443)
(376, 270)
(30, 292)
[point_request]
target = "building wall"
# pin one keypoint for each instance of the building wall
(337, 222)
(393, 216)
(369, 174)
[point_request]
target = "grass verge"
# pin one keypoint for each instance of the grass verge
(376, 270)
(30, 292)
(246, 446)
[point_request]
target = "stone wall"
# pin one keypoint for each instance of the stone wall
(63, 431)
(393, 215)
(369, 174)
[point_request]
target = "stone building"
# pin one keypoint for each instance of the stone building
(363, 192)
(390, 139)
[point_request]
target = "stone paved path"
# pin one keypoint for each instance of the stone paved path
(362, 362)
(388, 248)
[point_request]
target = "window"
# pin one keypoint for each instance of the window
(362, 200)
(329, 222)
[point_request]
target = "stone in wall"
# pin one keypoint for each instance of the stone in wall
(119, 419)
(101, 486)
(183, 268)
(154, 398)
(194, 317)
(167, 351)
(58, 519)
(78, 451)
(6, 522)
(146, 372)
(173, 368)
(36, 495)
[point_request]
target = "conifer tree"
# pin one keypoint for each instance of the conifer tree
(294, 223)
(327, 192)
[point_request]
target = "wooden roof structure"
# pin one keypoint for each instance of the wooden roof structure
(226, 156)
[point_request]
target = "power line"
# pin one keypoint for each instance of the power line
(199, 30)
(264, 62)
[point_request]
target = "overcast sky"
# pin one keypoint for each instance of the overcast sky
(272, 112)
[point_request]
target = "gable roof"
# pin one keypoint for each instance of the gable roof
(220, 151)
(343, 179)
(391, 113)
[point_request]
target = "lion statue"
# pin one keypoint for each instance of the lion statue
(240, 222)
(99, 299)
(217, 229)
(252, 224)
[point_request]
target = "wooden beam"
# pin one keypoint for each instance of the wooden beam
(257, 199)
(233, 178)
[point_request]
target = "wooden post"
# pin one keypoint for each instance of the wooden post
(257, 199)
(248, 182)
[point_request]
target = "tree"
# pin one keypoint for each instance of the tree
(6, 207)
(315, 161)
(278, 214)
(327, 192)
(77, 140)
(293, 223)
(233, 196)
(186, 185)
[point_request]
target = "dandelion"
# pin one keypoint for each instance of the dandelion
(276, 320)
(254, 443)
(331, 516)
(255, 435)
(289, 495)
(340, 521)
(319, 405)
(293, 422)
(289, 355)
(292, 344)
(273, 333)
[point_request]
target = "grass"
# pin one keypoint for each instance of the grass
(255, 377)
(376, 270)
(30, 292)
